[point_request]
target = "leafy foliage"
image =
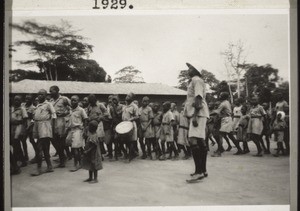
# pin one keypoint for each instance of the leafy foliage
(183, 80)
(59, 52)
(19, 74)
(128, 74)
(208, 77)
(261, 79)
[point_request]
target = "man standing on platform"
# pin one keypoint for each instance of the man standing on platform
(196, 111)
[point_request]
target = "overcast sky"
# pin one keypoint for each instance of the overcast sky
(160, 45)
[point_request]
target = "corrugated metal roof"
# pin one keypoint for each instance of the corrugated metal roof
(77, 87)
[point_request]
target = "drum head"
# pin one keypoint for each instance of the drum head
(124, 127)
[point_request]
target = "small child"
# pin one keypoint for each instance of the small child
(167, 133)
(92, 159)
(279, 126)
(241, 129)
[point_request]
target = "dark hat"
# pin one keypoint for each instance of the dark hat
(191, 66)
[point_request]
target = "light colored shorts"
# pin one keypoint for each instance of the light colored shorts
(226, 125)
(199, 131)
(42, 129)
(75, 137)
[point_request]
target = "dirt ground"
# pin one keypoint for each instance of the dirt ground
(232, 180)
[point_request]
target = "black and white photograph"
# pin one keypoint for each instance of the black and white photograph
(149, 109)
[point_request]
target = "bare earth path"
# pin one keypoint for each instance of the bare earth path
(232, 180)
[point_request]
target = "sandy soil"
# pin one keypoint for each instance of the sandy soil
(232, 180)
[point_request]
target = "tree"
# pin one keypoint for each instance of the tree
(234, 60)
(58, 51)
(183, 79)
(222, 87)
(128, 74)
(261, 79)
(284, 89)
(19, 74)
(208, 77)
(88, 70)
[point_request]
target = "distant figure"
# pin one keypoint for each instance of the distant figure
(279, 126)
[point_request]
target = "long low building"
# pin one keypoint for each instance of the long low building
(155, 91)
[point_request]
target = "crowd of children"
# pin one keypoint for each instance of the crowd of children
(85, 130)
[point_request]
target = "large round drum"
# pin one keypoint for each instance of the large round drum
(124, 128)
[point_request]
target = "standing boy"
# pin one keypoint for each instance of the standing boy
(146, 129)
(61, 105)
(167, 131)
(157, 118)
(116, 114)
(76, 125)
(130, 113)
(44, 118)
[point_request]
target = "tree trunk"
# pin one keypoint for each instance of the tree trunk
(50, 71)
(238, 85)
(46, 73)
(247, 90)
(56, 76)
(230, 92)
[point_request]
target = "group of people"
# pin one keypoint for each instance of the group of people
(85, 130)
(249, 121)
